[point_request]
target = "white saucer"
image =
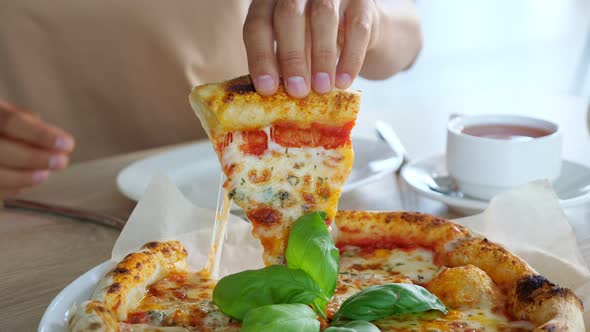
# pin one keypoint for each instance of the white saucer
(195, 170)
(572, 187)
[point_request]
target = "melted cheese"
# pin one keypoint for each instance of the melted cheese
(482, 319)
(290, 181)
(361, 268)
(416, 264)
(182, 299)
(219, 230)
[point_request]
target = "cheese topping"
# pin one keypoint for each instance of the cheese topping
(416, 264)
(361, 268)
(181, 299)
(482, 319)
(184, 299)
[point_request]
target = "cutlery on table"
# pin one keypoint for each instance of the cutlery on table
(44, 208)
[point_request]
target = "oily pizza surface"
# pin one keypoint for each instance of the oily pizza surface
(483, 286)
(283, 157)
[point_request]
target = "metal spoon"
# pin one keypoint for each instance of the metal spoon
(443, 184)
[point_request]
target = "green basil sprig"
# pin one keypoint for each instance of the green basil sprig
(309, 277)
(377, 302)
(281, 317)
(238, 293)
(311, 249)
(352, 326)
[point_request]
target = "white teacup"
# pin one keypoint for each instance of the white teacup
(488, 154)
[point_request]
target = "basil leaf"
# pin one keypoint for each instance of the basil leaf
(311, 249)
(385, 300)
(352, 326)
(237, 293)
(281, 317)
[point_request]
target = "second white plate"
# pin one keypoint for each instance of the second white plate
(195, 170)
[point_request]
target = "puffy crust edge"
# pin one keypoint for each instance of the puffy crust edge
(399, 228)
(235, 105)
(92, 316)
(502, 266)
(530, 296)
(125, 285)
(535, 298)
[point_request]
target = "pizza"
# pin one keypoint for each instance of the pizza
(285, 161)
(282, 157)
(443, 278)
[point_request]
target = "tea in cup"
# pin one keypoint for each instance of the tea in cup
(488, 154)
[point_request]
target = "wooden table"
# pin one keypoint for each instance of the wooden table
(41, 254)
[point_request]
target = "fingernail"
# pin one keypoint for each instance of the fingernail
(343, 80)
(321, 82)
(64, 143)
(296, 86)
(40, 176)
(265, 84)
(58, 162)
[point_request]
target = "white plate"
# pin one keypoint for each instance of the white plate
(572, 187)
(57, 313)
(195, 170)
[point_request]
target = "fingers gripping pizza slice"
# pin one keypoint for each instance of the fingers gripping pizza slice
(283, 157)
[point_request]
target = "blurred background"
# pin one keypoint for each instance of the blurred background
(495, 47)
(489, 56)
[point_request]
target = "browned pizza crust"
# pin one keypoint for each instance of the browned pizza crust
(530, 296)
(235, 105)
(92, 316)
(501, 265)
(547, 305)
(402, 228)
(464, 286)
(126, 284)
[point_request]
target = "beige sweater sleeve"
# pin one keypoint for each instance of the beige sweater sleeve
(116, 74)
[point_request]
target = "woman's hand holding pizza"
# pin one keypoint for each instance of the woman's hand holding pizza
(325, 43)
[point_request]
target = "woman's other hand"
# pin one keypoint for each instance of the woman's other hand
(30, 149)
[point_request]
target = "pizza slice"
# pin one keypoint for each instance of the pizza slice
(283, 157)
